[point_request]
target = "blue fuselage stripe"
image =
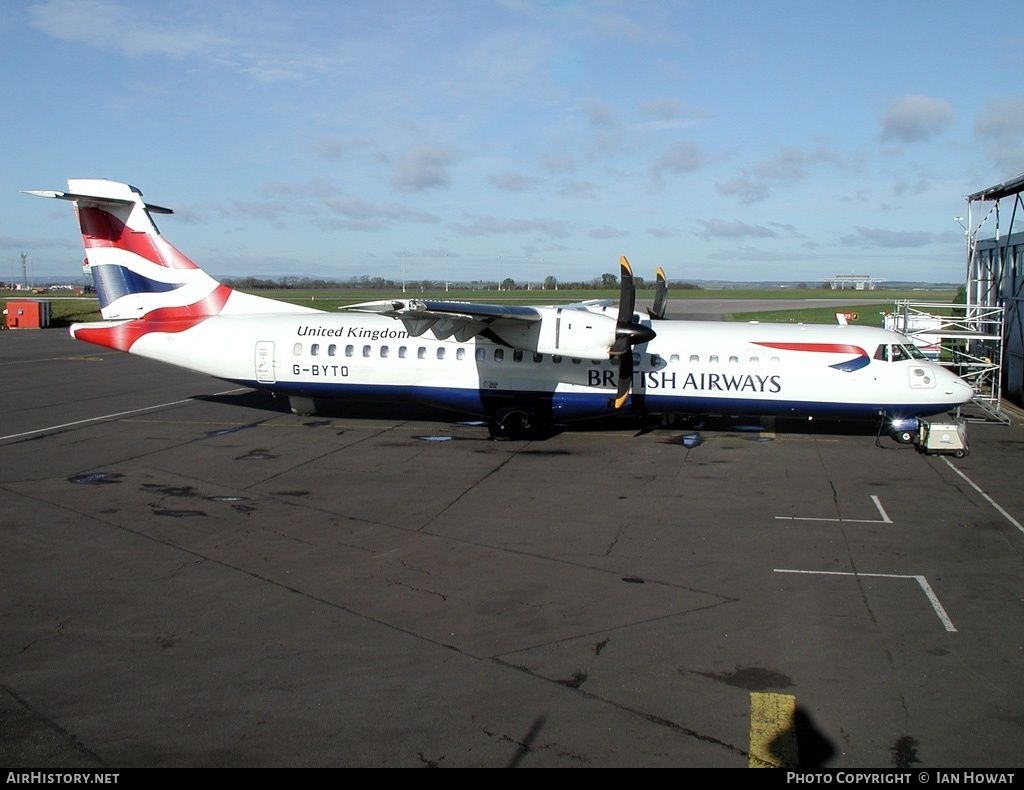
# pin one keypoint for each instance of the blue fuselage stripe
(569, 406)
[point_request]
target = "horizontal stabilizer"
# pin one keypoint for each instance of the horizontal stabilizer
(95, 199)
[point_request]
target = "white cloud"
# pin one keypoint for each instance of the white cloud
(514, 182)
(181, 31)
(892, 239)
(599, 113)
(679, 159)
(607, 232)
(667, 113)
(425, 167)
(490, 226)
(720, 228)
(916, 119)
(789, 166)
(1000, 127)
(354, 213)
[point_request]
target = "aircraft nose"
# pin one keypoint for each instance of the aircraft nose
(959, 389)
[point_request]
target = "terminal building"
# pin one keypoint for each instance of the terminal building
(856, 282)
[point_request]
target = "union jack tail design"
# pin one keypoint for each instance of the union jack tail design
(143, 282)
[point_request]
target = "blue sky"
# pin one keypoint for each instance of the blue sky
(485, 139)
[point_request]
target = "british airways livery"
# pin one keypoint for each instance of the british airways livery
(519, 367)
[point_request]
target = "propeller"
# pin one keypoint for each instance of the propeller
(628, 333)
(660, 296)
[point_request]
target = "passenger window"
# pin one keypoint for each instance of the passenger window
(402, 351)
(383, 352)
(517, 355)
(366, 351)
(314, 349)
(297, 349)
(440, 352)
(655, 360)
(350, 350)
(499, 354)
(713, 358)
(538, 357)
(734, 359)
(421, 353)
(694, 358)
(577, 361)
(460, 353)
(674, 358)
(481, 355)
(332, 350)
(556, 359)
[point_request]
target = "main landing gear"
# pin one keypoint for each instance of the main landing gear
(517, 423)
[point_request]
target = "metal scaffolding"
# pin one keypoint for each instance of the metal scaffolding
(982, 340)
(995, 283)
(967, 339)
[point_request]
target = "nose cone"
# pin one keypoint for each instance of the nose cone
(958, 389)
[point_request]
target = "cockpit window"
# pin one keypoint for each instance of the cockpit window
(899, 353)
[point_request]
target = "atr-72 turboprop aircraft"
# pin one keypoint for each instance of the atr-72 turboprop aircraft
(517, 366)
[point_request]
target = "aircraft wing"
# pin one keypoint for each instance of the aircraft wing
(584, 330)
(464, 320)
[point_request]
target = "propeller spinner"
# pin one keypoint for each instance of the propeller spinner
(628, 333)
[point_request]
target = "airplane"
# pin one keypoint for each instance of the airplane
(522, 368)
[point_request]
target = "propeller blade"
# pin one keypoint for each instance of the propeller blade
(627, 292)
(628, 333)
(660, 296)
(625, 380)
(627, 302)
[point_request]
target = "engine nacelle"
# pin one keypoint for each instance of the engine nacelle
(565, 331)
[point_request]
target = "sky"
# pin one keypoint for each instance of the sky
(493, 139)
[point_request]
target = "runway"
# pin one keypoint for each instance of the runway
(193, 576)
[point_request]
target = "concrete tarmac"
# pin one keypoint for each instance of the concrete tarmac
(193, 576)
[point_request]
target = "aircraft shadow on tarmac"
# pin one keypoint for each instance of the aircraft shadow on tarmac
(639, 423)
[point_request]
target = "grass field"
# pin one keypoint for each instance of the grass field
(68, 309)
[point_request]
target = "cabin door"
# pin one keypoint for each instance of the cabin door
(265, 362)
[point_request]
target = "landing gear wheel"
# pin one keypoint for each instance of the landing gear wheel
(904, 437)
(509, 423)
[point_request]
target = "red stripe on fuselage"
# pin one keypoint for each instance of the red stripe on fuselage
(102, 229)
(166, 319)
(822, 348)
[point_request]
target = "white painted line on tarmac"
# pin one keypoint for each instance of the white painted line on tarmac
(988, 499)
(112, 416)
(878, 505)
(921, 580)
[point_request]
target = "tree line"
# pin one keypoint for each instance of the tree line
(605, 282)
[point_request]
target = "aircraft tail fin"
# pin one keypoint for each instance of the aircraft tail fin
(137, 272)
